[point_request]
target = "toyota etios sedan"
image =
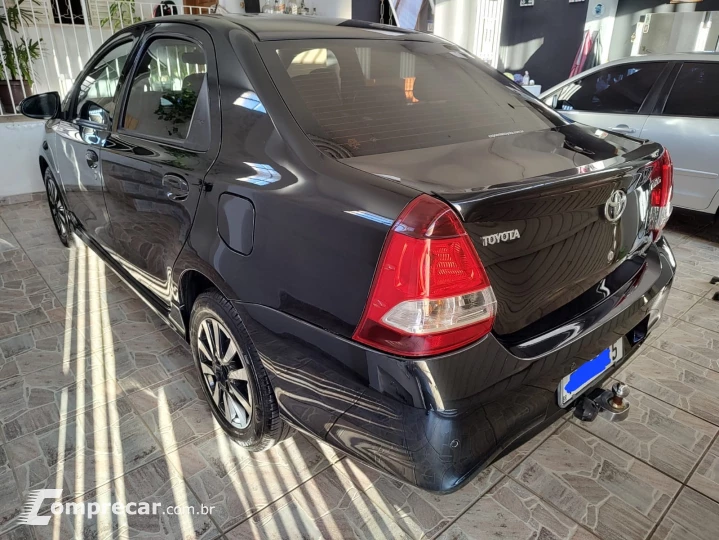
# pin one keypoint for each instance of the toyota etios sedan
(365, 233)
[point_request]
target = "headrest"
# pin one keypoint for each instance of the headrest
(194, 81)
(194, 57)
(429, 89)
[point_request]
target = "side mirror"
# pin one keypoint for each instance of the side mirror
(41, 106)
(95, 114)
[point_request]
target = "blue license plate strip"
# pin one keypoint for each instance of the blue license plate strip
(584, 375)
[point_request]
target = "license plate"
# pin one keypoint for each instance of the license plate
(575, 383)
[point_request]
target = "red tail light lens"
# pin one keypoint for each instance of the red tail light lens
(662, 184)
(430, 292)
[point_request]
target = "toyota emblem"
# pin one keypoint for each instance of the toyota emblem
(614, 208)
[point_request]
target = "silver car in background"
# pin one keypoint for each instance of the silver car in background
(672, 99)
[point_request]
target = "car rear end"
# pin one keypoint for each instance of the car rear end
(530, 248)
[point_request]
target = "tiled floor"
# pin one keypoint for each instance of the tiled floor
(98, 398)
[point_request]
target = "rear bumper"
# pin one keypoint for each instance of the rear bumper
(436, 422)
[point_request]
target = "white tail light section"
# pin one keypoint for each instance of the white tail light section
(430, 316)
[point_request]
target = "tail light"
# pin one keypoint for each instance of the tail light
(430, 292)
(662, 185)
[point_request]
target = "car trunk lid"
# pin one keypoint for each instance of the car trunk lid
(537, 212)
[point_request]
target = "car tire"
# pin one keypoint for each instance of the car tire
(232, 381)
(58, 207)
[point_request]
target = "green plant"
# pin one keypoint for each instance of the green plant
(180, 104)
(121, 14)
(18, 54)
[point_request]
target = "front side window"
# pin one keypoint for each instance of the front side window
(165, 89)
(616, 89)
(96, 94)
(695, 91)
(366, 97)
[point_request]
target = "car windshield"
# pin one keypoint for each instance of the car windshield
(365, 97)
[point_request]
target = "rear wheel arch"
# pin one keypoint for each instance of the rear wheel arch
(714, 206)
(43, 165)
(194, 278)
(192, 284)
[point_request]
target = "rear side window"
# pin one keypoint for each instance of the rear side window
(366, 97)
(695, 91)
(617, 89)
(165, 89)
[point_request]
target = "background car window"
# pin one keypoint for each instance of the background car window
(617, 89)
(695, 91)
(96, 95)
(165, 88)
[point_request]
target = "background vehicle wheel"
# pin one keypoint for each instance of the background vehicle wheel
(234, 380)
(58, 208)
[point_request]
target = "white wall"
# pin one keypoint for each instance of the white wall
(66, 48)
(456, 20)
(19, 151)
(472, 24)
(66, 53)
(332, 8)
(604, 23)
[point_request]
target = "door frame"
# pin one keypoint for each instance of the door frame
(658, 109)
(190, 33)
(68, 119)
(126, 35)
(650, 102)
(184, 31)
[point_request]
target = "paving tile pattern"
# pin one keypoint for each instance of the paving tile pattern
(100, 399)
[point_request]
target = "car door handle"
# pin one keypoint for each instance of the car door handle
(92, 159)
(177, 187)
(623, 128)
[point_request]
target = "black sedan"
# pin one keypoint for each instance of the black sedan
(365, 233)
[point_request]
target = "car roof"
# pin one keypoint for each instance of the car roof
(267, 27)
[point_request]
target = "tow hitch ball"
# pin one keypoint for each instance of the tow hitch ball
(611, 404)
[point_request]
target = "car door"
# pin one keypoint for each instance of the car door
(82, 132)
(612, 98)
(687, 123)
(154, 163)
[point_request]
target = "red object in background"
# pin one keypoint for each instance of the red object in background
(582, 53)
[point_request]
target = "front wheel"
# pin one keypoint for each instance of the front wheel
(58, 208)
(233, 379)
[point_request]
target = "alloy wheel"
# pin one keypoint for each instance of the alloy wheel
(225, 372)
(57, 209)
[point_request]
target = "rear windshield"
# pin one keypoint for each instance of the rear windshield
(365, 97)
